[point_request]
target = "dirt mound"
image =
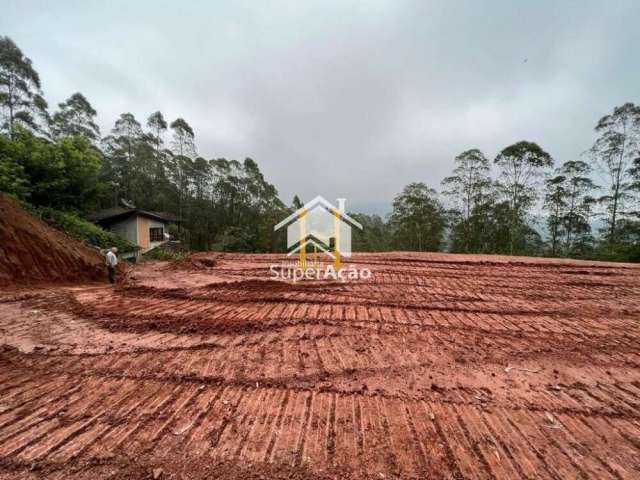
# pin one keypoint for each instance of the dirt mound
(194, 262)
(31, 251)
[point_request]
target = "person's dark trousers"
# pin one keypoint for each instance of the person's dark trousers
(112, 274)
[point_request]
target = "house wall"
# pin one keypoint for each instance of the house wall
(127, 229)
(143, 225)
(136, 230)
(143, 232)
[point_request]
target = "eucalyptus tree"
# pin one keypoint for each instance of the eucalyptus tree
(157, 125)
(21, 95)
(521, 166)
(417, 220)
(181, 165)
(468, 189)
(120, 149)
(615, 150)
(555, 201)
(634, 171)
(183, 143)
(127, 132)
(75, 116)
(580, 203)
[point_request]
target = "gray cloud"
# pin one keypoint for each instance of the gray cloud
(352, 99)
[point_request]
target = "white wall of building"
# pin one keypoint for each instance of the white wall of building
(136, 229)
(127, 229)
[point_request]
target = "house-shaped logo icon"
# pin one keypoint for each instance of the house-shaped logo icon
(321, 226)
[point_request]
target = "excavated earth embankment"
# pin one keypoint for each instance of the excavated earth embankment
(440, 366)
(33, 252)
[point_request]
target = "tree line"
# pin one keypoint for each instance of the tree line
(501, 205)
(60, 159)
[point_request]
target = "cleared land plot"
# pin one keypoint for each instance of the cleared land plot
(441, 366)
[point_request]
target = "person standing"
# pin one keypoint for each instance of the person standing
(112, 262)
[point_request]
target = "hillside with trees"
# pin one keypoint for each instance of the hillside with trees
(57, 159)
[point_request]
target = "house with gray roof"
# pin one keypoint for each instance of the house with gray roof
(144, 228)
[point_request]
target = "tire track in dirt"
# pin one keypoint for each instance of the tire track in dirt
(228, 422)
(442, 366)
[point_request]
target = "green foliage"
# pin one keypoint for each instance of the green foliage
(20, 94)
(84, 230)
(374, 236)
(13, 179)
(235, 239)
(164, 254)
(417, 221)
(469, 192)
(617, 252)
(157, 126)
(76, 117)
(556, 203)
(215, 199)
(616, 151)
(183, 138)
(520, 167)
(61, 174)
(570, 205)
(228, 204)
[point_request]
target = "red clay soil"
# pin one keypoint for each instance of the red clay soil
(441, 366)
(32, 251)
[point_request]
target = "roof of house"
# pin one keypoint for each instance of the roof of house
(120, 213)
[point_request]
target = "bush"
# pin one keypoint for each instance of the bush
(84, 230)
(164, 254)
(234, 239)
(13, 180)
(620, 252)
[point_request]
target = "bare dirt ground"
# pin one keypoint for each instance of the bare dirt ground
(440, 366)
(33, 251)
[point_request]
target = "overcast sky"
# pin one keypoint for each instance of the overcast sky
(343, 99)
